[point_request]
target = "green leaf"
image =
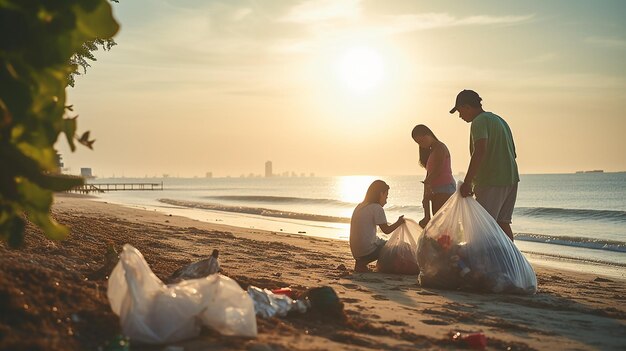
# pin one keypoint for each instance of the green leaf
(69, 128)
(51, 228)
(35, 199)
(98, 23)
(41, 43)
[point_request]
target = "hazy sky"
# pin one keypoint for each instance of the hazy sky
(335, 87)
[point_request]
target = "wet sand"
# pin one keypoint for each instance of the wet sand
(53, 294)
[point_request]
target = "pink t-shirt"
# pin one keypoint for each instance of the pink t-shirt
(445, 176)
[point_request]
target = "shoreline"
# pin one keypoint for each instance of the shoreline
(572, 310)
(538, 252)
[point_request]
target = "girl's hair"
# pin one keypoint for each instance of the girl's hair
(421, 130)
(373, 192)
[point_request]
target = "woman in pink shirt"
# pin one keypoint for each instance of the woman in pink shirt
(439, 183)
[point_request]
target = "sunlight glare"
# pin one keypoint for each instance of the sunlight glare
(353, 188)
(360, 69)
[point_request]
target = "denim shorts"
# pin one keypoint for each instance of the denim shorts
(444, 189)
(374, 255)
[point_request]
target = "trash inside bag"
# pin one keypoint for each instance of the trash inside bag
(153, 312)
(268, 304)
(399, 253)
(464, 247)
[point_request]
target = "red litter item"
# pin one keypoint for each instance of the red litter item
(284, 291)
(475, 341)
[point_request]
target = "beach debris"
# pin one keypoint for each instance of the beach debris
(284, 291)
(325, 302)
(602, 280)
(117, 343)
(260, 347)
(476, 341)
(277, 274)
(110, 260)
(155, 313)
(342, 267)
(200, 269)
(398, 254)
(268, 304)
(464, 247)
(174, 348)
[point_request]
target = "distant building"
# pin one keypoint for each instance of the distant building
(85, 172)
(209, 175)
(59, 162)
(268, 169)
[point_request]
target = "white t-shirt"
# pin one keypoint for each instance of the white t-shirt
(363, 224)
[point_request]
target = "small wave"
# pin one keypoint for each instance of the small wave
(405, 209)
(572, 214)
(257, 211)
(588, 243)
(281, 199)
(576, 259)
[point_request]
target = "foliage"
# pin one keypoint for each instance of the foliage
(37, 40)
(85, 53)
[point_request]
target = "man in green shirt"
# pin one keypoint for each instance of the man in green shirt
(492, 170)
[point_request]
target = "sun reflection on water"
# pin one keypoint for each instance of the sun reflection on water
(353, 188)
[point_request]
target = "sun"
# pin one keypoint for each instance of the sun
(360, 70)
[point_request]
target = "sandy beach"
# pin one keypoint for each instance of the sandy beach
(53, 294)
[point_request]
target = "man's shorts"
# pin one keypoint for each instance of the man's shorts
(499, 201)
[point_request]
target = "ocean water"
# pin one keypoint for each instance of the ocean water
(570, 219)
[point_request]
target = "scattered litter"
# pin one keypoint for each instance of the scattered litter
(200, 269)
(602, 280)
(117, 343)
(174, 348)
(268, 304)
(475, 340)
(110, 260)
(155, 313)
(325, 302)
(284, 291)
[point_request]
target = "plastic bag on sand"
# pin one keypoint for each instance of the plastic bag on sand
(153, 312)
(464, 247)
(398, 254)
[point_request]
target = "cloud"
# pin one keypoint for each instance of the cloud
(607, 42)
(323, 10)
(424, 21)
(550, 56)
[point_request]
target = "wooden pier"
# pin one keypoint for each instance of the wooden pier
(104, 187)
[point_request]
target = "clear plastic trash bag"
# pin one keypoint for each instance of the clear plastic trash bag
(153, 312)
(398, 254)
(464, 247)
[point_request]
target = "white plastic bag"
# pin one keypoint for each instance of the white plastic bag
(153, 312)
(398, 254)
(464, 247)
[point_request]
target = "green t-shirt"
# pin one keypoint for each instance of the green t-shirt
(498, 167)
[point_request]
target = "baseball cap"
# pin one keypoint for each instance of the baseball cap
(466, 97)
